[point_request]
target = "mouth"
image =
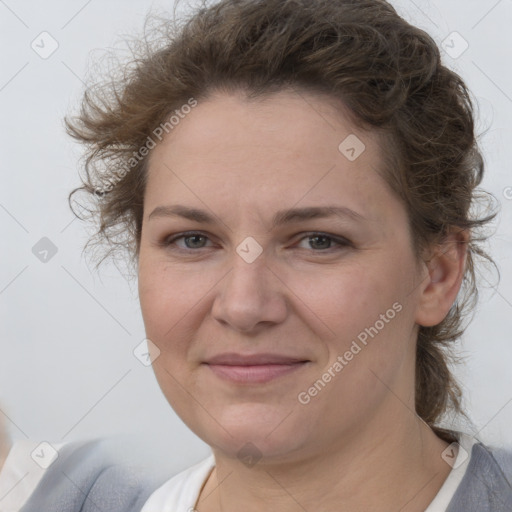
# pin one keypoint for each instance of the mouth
(255, 368)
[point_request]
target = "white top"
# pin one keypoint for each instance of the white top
(180, 494)
(447, 491)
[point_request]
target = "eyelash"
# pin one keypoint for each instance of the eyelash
(341, 242)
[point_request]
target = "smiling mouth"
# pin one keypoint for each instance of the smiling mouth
(254, 369)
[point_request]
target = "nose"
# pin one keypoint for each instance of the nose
(251, 297)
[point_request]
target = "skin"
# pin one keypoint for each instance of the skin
(357, 444)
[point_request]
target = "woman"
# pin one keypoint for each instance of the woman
(294, 180)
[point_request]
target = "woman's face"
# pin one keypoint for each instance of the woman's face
(287, 319)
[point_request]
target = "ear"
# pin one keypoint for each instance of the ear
(446, 270)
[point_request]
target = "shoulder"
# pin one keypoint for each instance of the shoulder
(120, 489)
(490, 461)
(487, 483)
(86, 475)
(503, 459)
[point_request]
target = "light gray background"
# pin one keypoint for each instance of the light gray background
(67, 370)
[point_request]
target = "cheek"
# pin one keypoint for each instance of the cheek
(354, 298)
(372, 317)
(169, 301)
(168, 293)
(175, 300)
(367, 310)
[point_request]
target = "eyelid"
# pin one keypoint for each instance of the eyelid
(340, 240)
(168, 240)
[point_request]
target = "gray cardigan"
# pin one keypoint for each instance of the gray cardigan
(84, 479)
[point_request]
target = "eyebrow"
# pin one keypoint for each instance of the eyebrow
(280, 218)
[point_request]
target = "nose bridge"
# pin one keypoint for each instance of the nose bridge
(248, 277)
(250, 256)
(249, 294)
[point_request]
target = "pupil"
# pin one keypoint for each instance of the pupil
(194, 237)
(315, 238)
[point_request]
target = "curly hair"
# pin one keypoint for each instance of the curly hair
(388, 74)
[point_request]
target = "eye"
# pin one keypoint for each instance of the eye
(192, 240)
(322, 242)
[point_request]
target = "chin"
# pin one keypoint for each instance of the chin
(254, 430)
(257, 447)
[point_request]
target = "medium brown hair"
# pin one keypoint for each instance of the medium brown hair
(388, 74)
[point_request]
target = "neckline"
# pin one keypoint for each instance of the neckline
(183, 491)
(444, 496)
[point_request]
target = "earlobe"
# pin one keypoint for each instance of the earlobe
(445, 273)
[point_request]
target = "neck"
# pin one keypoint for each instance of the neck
(382, 467)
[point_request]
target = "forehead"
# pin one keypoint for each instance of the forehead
(288, 119)
(285, 146)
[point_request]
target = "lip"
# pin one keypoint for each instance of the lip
(253, 368)
(234, 359)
